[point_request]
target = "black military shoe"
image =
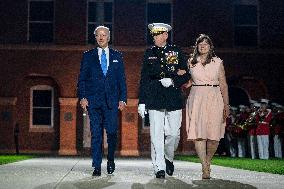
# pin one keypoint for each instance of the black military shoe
(110, 167)
(97, 172)
(160, 174)
(169, 167)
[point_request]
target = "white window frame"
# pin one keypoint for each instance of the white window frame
(29, 21)
(42, 128)
(248, 2)
(147, 22)
(104, 23)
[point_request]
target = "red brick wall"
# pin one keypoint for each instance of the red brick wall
(262, 65)
(13, 22)
(29, 139)
(70, 24)
(7, 123)
(192, 17)
(271, 20)
(129, 23)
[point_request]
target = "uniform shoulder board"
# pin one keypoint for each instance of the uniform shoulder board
(148, 50)
(171, 45)
(116, 51)
(175, 47)
(88, 51)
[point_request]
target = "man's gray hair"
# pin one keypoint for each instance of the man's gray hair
(102, 27)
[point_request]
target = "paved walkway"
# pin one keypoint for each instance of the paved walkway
(130, 173)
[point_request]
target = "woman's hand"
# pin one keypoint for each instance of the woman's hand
(181, 72)
(188, 84)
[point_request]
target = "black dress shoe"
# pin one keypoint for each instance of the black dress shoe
(160, 174)
(110, 167)
(97, 172)
(169, 167)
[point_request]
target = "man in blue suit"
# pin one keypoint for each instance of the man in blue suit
(102, 92)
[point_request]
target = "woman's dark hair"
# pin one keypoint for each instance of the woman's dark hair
(211, 54)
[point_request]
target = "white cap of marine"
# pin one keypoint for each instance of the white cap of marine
(158, 28)
(252, 101)
(257, 104)
(263, 100)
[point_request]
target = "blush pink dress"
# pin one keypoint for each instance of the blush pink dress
(205, 104)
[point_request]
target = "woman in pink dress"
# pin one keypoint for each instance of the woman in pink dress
(208, 102)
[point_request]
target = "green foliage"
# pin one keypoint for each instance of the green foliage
(273, 165)
(4, 159)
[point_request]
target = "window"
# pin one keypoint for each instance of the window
(158, 11)
(40, 21)
(42, 106)
(245, 23)
(99, 13)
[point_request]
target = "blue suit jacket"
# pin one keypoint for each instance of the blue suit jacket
(96, 87)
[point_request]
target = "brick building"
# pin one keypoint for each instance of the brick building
(41, 46)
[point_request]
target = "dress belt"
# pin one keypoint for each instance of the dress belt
(206, 85)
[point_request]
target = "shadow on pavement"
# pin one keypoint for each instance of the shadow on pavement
(172, 183)
(168, 183)
(218, 183)
(86, 183)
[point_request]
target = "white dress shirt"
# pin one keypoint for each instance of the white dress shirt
(107, 54)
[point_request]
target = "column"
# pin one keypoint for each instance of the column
(7, 124)
(68, 109)
(129, 129)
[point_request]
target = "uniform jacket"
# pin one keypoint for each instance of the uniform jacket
(163, 63)
(241, 132)
(230, 126)
(278, 123)
(253, 126)
(96, 87)
(263, 124)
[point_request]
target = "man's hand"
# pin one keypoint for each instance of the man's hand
(121, 105)
(84, 103)
(181, 72)
(188, 84)
(166, 82)
(141, 110)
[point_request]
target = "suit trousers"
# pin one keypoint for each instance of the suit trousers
(253, 146)
(277, 146)
(165, 136)
(263, 146)
(241, 147)
(232, 144)
(100, 118)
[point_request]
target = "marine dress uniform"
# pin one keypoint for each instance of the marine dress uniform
(241, 131)
(277, 130)
(252, 125)
(263, 131)
(164, 104)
